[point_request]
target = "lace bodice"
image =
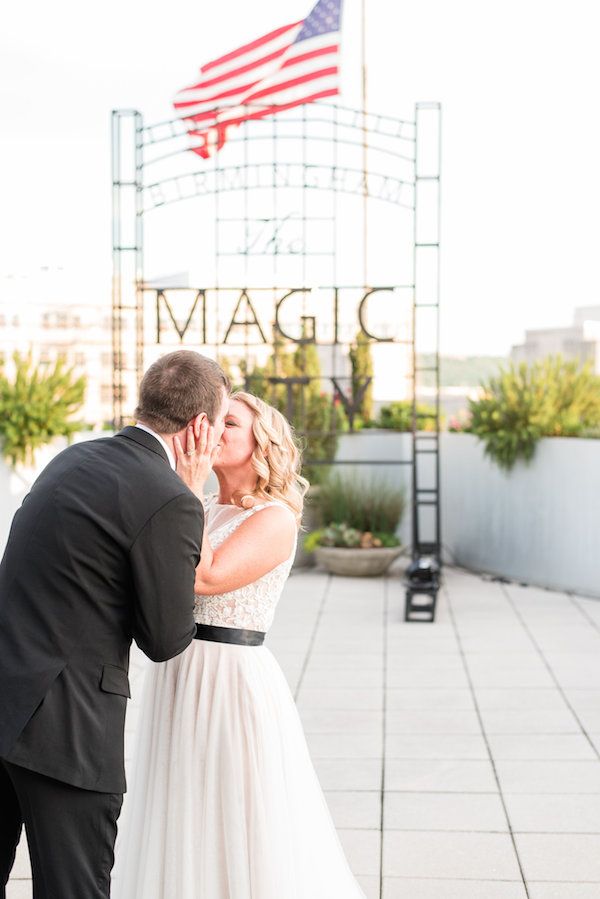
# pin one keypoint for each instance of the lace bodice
(252, 606)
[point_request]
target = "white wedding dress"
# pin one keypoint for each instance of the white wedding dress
(224, 801)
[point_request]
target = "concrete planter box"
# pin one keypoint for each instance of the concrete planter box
(354, 562)
(538, 523)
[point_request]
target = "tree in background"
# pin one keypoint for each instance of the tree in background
(361, 361)
(301, 399)
(37, 405)
(225, 364)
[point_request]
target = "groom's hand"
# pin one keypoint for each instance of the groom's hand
(194, 463)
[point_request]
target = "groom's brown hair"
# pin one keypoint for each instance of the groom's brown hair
(177, 387)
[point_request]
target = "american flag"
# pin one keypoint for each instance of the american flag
(292, 65)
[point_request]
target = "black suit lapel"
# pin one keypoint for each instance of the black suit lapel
(143, 438)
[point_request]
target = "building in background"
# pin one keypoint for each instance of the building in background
(581, 340)
(44, 312)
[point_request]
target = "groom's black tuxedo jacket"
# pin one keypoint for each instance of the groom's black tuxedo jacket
(103, 549)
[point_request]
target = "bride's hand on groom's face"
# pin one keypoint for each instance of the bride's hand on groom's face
(195, 460)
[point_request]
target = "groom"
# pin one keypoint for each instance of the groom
(103, 550)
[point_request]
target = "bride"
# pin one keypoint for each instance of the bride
(225, 802)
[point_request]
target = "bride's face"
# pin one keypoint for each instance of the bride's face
(237, 441)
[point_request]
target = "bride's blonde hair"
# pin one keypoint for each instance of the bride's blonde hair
(276, 458)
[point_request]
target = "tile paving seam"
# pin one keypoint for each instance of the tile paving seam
(476, 831)
(574, 600)
(489, 880)
(549, 668)
(326, 591)
(385, 612)
(446, 594)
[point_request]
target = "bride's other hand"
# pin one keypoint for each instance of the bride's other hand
(194, 462)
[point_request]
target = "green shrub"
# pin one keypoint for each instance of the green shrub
(312, 540)
(397, 416)
(36, 406)
(550, 398)
(364, 503)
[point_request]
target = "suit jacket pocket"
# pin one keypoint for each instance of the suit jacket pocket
(115, 680)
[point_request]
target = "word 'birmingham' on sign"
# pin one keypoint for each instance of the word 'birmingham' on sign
(269, 175)
(208, 328)
(292, 65)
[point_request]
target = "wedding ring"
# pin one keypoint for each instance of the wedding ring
(191, 453)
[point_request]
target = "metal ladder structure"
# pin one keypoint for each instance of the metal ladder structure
(424, 571)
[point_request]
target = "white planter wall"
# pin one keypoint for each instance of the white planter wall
(381, 446)
(539, 523)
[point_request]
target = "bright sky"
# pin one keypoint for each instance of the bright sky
(518, 81)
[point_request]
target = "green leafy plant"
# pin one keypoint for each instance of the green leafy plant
(397, 416)
(367, 504)
(341, 535)
(361, 363)
(550, 398)
(37, 405)
(312, 540)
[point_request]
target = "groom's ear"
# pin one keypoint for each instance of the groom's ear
(196, 422)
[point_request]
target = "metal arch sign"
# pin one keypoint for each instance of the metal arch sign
(266, 185)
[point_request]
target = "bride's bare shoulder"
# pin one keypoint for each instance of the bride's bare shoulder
(275, 509)
(271, 521)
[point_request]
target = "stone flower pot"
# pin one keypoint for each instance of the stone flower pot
(355, 562)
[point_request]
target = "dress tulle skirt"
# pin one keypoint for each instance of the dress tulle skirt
(224, 802)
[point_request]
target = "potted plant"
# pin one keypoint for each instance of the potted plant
(362, 516)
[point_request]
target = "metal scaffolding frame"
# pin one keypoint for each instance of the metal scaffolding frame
(407, 175)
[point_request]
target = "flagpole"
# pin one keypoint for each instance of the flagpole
(364, 135)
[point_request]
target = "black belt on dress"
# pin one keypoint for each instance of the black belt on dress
(229, 635)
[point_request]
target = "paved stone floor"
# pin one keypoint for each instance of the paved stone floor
(460, 759)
